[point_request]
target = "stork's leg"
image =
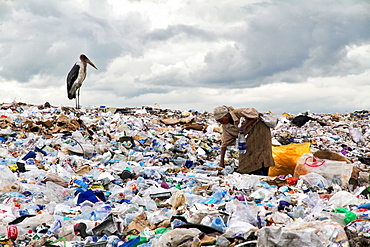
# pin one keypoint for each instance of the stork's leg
(78, 99)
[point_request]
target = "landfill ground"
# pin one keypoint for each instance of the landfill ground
(147, 176)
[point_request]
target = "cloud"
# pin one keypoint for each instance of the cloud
(158, 51)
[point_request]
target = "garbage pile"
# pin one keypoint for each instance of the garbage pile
(147, 176)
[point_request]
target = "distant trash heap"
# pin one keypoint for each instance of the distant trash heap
(147, 176)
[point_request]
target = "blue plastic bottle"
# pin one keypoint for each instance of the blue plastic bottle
(217, 197)
(81, 183)
(218, 224)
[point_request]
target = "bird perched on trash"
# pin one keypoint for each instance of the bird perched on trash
(76, 77)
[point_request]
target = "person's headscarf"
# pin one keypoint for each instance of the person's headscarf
(220, 111)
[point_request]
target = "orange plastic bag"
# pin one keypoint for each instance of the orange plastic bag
(286, 158)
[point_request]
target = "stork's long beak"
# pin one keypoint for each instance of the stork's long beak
(91, 63)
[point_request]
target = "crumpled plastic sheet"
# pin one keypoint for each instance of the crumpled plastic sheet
(175, 237)
(278, 236)
(307, 234)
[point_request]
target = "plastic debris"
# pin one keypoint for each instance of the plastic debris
(150, 177)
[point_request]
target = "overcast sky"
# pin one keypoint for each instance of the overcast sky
(282, 56)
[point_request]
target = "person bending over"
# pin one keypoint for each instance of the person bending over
(258, 157)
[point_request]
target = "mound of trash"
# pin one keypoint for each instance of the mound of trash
(147, 176)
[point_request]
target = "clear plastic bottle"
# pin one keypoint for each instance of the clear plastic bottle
(242, 143)
(241, 140)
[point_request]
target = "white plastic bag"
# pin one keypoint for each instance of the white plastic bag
(356, 135)
(278, 236)
(175, 237)
(314, 180)
(8, 181)
(306, 234)
(271, 120)
(335, 172)
(343, 199)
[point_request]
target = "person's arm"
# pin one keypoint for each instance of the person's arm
(222, 158)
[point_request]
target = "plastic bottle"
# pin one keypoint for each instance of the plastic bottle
(81, 183)
(228, 170)
(366, 205)
(117, 193)
(241, 141)
(113, 241)
(349, 217)
(100, 215)
(56, 226)
(176, 222)
(141, 183)
(298, 212)
(218, 224)
(151, 205)
(15, 232)
(217, 197)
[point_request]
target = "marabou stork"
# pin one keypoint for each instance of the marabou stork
(76, 77)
